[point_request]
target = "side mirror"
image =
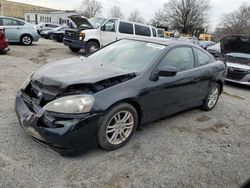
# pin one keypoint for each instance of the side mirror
(167, 71)
(103, 28)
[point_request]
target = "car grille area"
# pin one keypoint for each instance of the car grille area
(236, 73)
(71, 34)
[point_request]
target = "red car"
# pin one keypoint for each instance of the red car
(3, 42)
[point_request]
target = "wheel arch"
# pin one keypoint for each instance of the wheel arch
(133, 103)
(26, 34)
(94, 40)
(220, 82)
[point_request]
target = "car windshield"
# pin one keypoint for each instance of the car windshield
(131, 55)
(96, 22)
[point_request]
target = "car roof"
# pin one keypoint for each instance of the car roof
(162, 41)
(12, 18)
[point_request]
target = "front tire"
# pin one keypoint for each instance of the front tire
(212, 98)
(91, 47)
(26, 40)
(117, 127)
(74, 49)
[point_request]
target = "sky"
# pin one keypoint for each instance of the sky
(146, 7)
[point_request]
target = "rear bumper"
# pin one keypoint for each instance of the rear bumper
(4, 47)
(76, 134)
(74, 43)
(35, 37)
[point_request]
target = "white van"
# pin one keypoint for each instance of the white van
(95, 33)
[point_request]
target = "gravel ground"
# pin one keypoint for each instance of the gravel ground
(190, 149)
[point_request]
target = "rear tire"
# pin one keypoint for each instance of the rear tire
(212, 98)
(26, 39)
(74, 49)
(118, 126)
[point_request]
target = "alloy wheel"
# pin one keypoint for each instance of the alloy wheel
(27, 40)
(213, 97)
(120, 127)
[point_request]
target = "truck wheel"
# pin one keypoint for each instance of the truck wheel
(91, 47)
(74, 49)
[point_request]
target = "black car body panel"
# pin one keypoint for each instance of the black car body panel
(236, 53)
(58, 36)
(109, 86)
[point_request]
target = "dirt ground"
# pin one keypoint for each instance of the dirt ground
(190, 149)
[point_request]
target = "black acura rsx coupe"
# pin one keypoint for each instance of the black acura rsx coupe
(80, 103)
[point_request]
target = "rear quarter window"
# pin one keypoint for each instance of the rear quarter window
(142, 30)
(203, 58)
(154, 32)
(126, 28)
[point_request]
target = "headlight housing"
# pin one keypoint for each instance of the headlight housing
(81, 36)
(74, 104)
(26, 82)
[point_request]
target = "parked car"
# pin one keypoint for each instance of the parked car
(236, 53)
(59, 35)
(3, 42)
(49, 33)
(98, 32)
(215, 50)
(78, 103)
(18, 30)
(205, 44)
(45, 27)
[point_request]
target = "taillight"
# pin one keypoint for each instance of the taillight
(1, 35)
(226, 72)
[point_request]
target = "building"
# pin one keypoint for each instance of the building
(17, 10)
(55, 17)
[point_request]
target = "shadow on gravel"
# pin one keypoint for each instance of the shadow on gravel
(237, 86)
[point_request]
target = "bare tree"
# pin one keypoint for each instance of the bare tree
(237, 22)
(158, 19)
(115, 12)
(135, 16)
(90, 8)
(185, 15)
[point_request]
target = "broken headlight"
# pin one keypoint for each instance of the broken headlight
(71, 104)
(26, 82)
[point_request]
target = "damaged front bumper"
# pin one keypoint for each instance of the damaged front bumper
(66, 134)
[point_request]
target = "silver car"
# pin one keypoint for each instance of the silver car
(236, 54)
(19, 31)
(45, 27)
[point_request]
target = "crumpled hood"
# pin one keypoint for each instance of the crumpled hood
(234, 44)
(74, 71)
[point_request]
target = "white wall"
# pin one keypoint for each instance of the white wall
(59, 17)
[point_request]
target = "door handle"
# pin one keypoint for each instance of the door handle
(18, 28)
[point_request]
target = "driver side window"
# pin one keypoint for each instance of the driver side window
(181, 58)
(110, 26)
